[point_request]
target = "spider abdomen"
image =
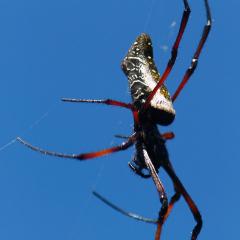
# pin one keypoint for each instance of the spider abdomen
(143, 76)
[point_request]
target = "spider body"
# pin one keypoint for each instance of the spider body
(143, 76)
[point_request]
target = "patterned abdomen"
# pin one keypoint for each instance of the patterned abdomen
(143, 76)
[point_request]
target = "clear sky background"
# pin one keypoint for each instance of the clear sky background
(56, 48)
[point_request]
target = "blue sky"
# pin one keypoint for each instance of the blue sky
(52, 49)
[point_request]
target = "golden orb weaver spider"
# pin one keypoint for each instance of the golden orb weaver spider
(151, 105)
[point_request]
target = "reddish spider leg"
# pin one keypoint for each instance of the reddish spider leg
(107, 102)
(101, 101)
(197, 53)
(84, 156)
(165, 136)
(180, 190)
(174, 52)
(111, 102)
(173, 200)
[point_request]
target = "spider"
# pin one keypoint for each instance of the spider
(151, 105)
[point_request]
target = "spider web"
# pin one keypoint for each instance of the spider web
(149, 15)
(29, 128)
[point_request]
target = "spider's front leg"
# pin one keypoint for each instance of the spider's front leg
(100, 101)
(197, 53)
(174, 52)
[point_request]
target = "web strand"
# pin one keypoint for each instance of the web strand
(30, 127)
(149, 15)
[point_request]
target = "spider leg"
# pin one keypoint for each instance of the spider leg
(181, 189)
(174, 52)
(128, 214)
(101, 101)
(107, 102)
(83, 156)
(165, 136)
(168, 135)
(173, 200)
(138, 217)
(121, 136)
(161, 192)
(195, 58)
